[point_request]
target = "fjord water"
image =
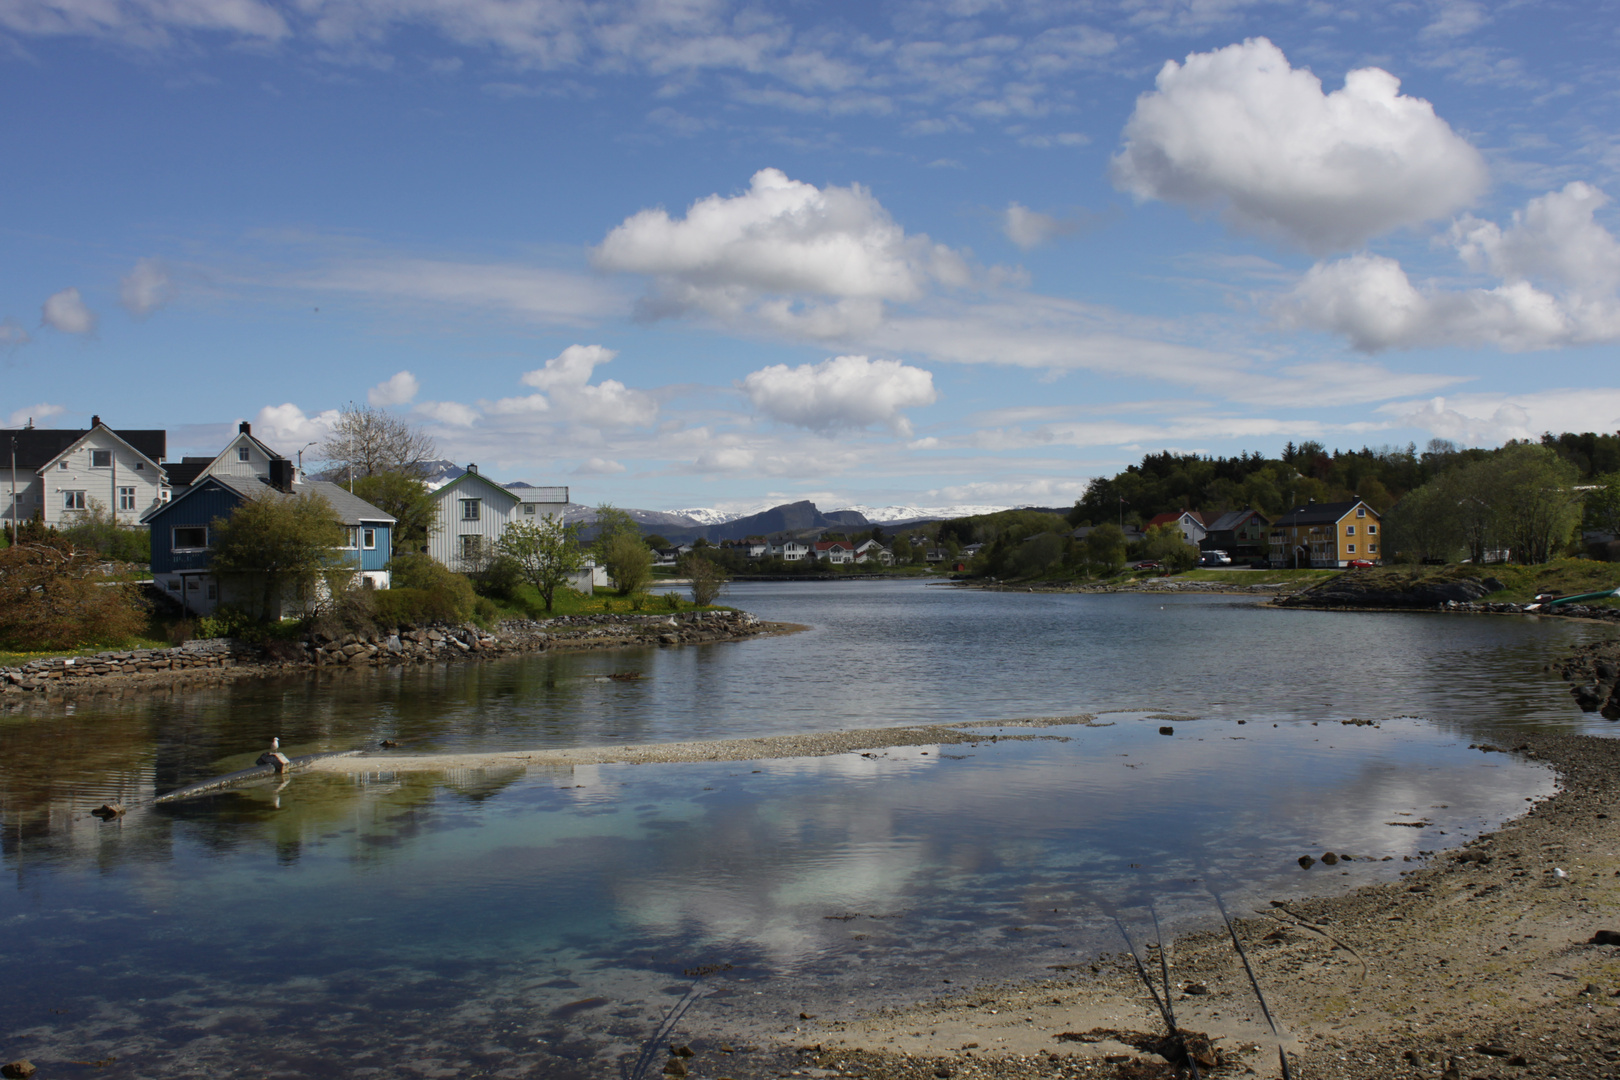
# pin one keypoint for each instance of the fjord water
(533, 919)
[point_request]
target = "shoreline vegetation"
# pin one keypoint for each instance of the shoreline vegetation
(223, 659)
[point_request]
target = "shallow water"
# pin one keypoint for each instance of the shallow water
(529, 921)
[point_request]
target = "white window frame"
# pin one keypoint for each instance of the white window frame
(73, 500)
(472, 509)
(101, 459)
(1361, 511)
(472, 545)
(1349, 530)
(368, 539)
(1371, 529)
(351, 541)
(126, 498)
(528, 509)
(243, 454)
(1350, 548)
(174, 538)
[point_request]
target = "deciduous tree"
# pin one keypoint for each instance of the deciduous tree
(547, 553)
(370, 441)
(278, 546)
(407, 500)
(52, 596)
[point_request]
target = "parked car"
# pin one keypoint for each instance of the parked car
(1214, 557)
(1145, 564)
(1358, 564)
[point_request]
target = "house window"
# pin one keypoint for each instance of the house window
(241, 453)
(174, 586)
(1351, 548)
(1349, 530)
(73, 500)
(471, 546)
(469, 509)
(1361, 511)
(1371, 529)
(101, 459)
(213, 591)
(352, 536)
(1371, 548)
(370, 538)
(191, 584)
(190, 537)
(126, 498)
(528, 509)
(62, 465)
(140, 466)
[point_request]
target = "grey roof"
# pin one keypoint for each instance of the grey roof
(351, 509)
(1232, 518)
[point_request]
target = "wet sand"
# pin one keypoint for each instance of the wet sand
(820, 744)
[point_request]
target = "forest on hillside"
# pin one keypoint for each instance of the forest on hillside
(1528, 501)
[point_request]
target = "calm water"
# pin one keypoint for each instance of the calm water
(530, 922)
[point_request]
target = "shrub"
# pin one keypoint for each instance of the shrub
(226, 621)
(499, 578)
(52, 598)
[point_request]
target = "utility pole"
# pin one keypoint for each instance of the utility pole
(14, 489)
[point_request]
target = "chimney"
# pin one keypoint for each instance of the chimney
(95, 421)
(472, 468)
(245, 428)
(281, 474)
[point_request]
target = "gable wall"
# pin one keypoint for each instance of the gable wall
(98, 484)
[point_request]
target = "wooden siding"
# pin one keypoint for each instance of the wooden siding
(99, 484)
(199, 508)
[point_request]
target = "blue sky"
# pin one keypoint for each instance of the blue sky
(703, 253)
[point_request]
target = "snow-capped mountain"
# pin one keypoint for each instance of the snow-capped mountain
(707, 516)
(883, 515)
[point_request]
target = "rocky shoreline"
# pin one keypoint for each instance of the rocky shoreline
(220, 659)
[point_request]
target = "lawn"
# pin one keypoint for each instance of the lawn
(1258, 577)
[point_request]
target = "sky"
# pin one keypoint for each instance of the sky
(699, 253)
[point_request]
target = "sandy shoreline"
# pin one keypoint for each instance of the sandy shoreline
(817, 744)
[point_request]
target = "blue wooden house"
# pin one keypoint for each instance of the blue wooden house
(182, 532)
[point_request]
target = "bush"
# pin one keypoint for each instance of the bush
(52, 598)
(499, 579)
(226, 621)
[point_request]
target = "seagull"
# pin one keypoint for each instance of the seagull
(275, 743)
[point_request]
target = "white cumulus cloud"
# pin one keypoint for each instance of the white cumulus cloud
(66, 311)
(782, 238)
(598, 466)
(398, 389)
(1559, 285)
(841, 393)
(1240, 129)
(288, 426)
(146, 288)
(33, 414)
(452, 413)
(565, 380)
(1030, 229)
(1490, 419)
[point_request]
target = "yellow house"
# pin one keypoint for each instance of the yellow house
(1325, 534)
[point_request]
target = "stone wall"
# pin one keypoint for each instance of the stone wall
(223, 657)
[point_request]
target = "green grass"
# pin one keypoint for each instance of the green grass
(527, 604)
(1565, 577)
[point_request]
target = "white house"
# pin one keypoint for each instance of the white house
(244, 457)
(836, 552)
(790, 550)
(59, 474)
(473, 512)
(868, 550)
